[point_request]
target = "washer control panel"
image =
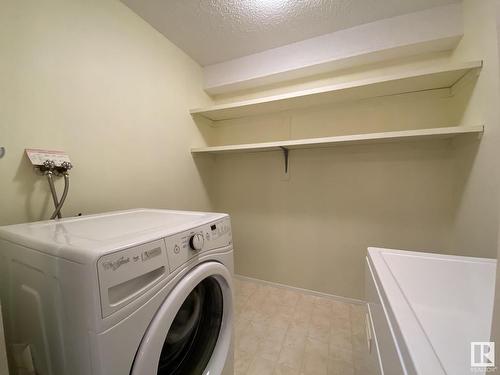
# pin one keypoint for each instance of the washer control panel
(186, 245)
(127, 274)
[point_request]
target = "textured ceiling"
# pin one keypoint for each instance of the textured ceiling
(212, 31)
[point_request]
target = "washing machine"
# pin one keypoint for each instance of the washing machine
(136, 292)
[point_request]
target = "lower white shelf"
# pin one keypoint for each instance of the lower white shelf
(384, 137)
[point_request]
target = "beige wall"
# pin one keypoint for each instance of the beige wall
(312, 229)
(476, 219)
(92, 78)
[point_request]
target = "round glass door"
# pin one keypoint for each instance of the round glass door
(193, 334)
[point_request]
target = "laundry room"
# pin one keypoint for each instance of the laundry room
(249, 187)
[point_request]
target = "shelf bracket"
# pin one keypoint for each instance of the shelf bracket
(285, 156)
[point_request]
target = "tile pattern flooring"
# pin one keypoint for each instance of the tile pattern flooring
(283, 331)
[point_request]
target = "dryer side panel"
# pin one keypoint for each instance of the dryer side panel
(44, 318)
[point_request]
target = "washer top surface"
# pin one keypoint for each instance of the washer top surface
(86, 238)
(441, 304)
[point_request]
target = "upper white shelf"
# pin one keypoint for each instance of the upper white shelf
(446, 132)
(398, 83)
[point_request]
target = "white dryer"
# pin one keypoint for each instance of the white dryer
(137, 292)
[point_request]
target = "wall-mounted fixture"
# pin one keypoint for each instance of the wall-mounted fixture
(436, 77)
(285, 156)
(2, 152)
(324, 142)
(52, 163)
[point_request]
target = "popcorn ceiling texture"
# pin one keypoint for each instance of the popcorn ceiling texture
(212, 31)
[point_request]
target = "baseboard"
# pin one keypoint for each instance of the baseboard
(306, 291)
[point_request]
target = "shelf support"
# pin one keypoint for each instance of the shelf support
(285, 156)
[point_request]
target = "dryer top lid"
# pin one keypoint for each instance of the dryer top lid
(85, 237)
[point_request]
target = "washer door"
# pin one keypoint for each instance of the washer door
(191, 332)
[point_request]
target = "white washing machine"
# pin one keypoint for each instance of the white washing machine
(139, 292)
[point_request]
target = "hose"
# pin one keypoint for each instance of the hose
(57, 211)
(53, 192)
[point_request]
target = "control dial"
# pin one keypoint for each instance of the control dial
(197, 241)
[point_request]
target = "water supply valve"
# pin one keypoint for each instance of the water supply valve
(52, 163)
